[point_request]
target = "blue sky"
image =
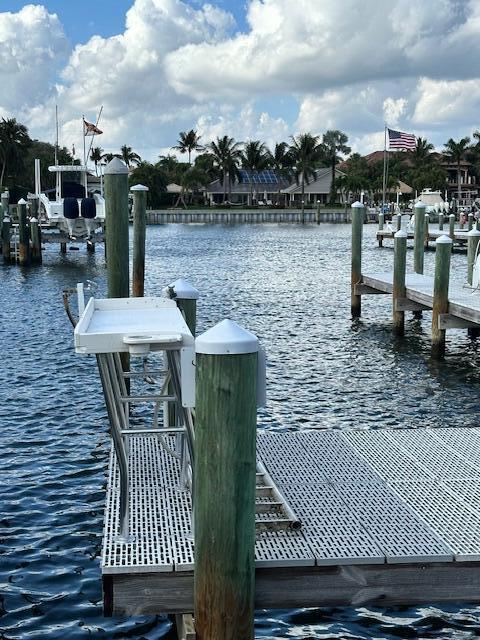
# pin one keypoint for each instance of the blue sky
(295, 66)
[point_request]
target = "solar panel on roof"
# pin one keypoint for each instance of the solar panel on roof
(267, 176)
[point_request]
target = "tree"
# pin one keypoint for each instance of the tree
(334, 142)
(307, 154)
(281, 161)
(356, 176)
(108, 157)
(128, 156)
(188, 141)
(455, 152)
(14, 141)
(422, 152)
(96, 157)
(227, 156)
(254, 158)
(153, 177)
(192, 179)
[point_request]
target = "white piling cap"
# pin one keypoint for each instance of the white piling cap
(115, 167)
(22, 201)
(401, 233)
(451, 215)
(184, 290)
(226, 338)
(139, 187)
(420, 204)
(443, 240)
(357, 205)
(473, 232)
(35, 220)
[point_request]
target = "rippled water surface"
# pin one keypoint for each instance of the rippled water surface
(290, 285)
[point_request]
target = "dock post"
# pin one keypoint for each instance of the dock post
(426, 230)
(186, 298)
(317, 214)
(357, 232)
(451, 226)
(116, 223)
(419, 237)
(381, 221)
(23, 234)
(440, 221)
(399, 271)
(6, 246)
(139, 235)
(443, 251)
(224, 493)
(470, 221)
(473, 240)
(35, 234)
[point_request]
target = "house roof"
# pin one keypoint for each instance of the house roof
(252, 182)
(173, 188)
(321, 184)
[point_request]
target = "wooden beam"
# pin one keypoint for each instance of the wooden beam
(185, 627)
(404, 304)
(382, 584)
(365, 290)
(447, 321)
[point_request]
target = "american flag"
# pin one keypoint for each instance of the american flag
(400, 140)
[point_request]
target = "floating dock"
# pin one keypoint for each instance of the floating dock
(388, 517)
(460, 236)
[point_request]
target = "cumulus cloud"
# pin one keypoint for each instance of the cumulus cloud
(441, 102)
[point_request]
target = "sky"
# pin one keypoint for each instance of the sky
(252, 69)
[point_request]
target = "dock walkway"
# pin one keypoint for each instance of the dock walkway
(460, 236)
(390, 516)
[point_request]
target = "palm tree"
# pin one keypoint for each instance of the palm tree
(281, 161)
(306, 153)
(334, 143)
(254, 158)
(192, 179)
(109, 156)
(14, 140)
(128, 155)
(188, 141)
(421, 154)
(96, 155)
(227, 156)
(455, 152)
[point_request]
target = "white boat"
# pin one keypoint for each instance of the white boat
(433, 200)
(75, 210)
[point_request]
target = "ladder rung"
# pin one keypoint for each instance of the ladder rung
(148, 398)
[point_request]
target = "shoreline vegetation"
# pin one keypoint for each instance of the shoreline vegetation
(226, 159)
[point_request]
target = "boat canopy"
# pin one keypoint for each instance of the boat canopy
(59, 168)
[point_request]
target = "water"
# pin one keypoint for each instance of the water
(290, 285)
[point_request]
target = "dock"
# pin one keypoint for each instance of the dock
(388, 517)
(234, 216)
(460, 237)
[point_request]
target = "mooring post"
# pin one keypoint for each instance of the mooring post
(139, 235)
(116, 222)
(419, 237)
(470, 221)
(381, 221)
(317, 214)
(23, 234)
(6, 247)
(473, 240)
(224, 494)
(451, 226)
(357, 232)
(36, 237)
(426, 230)
(443, 251)
(186, 298)
(399, 272)
(5, 200)
(399, 221)
(440, 221)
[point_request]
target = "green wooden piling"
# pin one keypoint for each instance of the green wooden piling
(470, 221)
(473, 239)
(186, 298)
(23, 234)
(317, 213)
(6, 246)
(443, 251)
(381, 221)
(5, 200)
(356, 272)
(451, 226)
(116, 219)
(399, 221)
(224, 490)
(139, 236)
(440, 221)
(419, 237)
(63, 247)
(426, 230)
(35, 235)
(399, 271)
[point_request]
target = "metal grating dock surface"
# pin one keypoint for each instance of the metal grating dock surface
(364, 497)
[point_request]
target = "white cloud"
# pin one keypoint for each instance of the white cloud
(393, 110)
(441, 102)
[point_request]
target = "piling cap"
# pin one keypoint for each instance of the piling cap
(443, 240)
(139, 187)
(22, 201)
(226, 338)
(115, 167)
(473, 232)
(419, 203)
(451, 215)
(357, 205)
(35, 220)
(184, 290)
(401, 233)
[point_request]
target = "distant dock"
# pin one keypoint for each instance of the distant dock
(233, 216)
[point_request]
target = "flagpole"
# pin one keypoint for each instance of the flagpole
(384, 168)
(96, 124)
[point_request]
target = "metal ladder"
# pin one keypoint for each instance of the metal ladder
(272, 511)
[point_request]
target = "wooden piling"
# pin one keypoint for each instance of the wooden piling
(399, 271)
(381, 221)
(440, 221)
(139, 236)
(451, 226)
(356, 273)
(35, 235)
(224, 489)
(317, 213)
(6, 246)
(419, 237)
(116, 219)
(399, 221)
(186, 298)
(426, 230)
(23, 234)
(473, 239)
(443, 251)
(63, 247)
(470, 221)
